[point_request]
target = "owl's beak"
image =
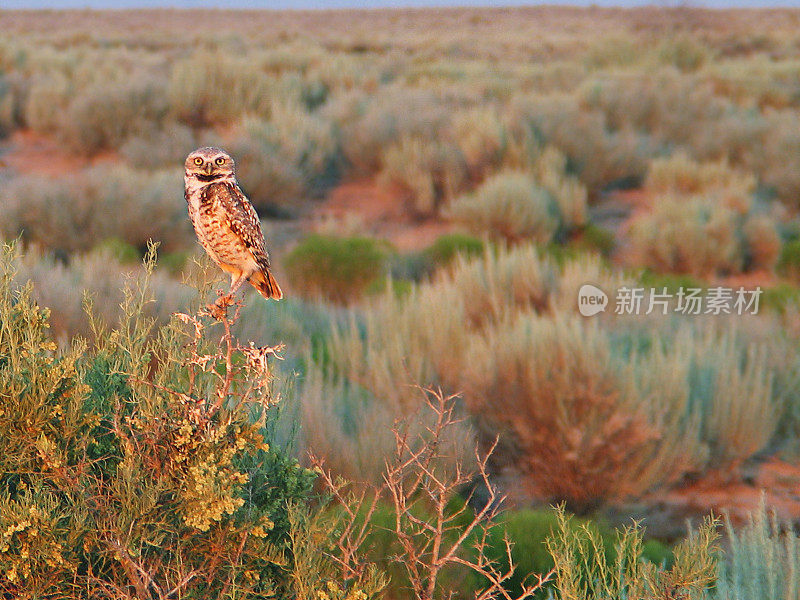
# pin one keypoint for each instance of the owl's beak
(209, 168)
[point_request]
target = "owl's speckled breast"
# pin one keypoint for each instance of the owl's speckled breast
(212, 226)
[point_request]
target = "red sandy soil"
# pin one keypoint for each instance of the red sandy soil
(778, 482)
(32, 153)
(382, 212)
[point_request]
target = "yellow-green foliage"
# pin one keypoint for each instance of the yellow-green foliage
(583, 572)
(338, 269)
(139, 466)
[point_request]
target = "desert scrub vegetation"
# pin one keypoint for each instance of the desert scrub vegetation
(626, 575)
(514, 206)
(335, 268)
(592, 412)
(704, 221)
(509, 206)
(290, 156)
(761, 561)
(74, 212)
(141, 465)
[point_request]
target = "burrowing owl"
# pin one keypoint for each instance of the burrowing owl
(226, 224)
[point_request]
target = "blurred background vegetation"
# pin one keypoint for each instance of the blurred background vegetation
(436, 185)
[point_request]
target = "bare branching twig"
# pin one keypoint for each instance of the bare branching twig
(417, 474)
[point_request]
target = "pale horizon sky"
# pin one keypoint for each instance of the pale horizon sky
(334, 4)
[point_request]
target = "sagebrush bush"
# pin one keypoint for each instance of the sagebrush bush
(218, 88)
(338, 269)
(509, 206)
(99, 274)
(281, 160)
(105, 115)
(600, 155)
(153, 148)
(580, 426)
(429, 173)
(762, 561)
(703, 236)
(370, 123)
(680, 173)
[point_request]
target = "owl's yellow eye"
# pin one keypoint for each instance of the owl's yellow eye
(220, 160)
(198, 161)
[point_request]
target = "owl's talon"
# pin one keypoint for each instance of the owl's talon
(219, 308)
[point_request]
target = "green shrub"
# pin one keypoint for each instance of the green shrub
(509, 206)
(594, 238)
(120, 251)
(448, 246)
(339, 269)
(780, 297)
(684, 52)
(789, 260)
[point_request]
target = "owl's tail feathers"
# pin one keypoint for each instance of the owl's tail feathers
(266, 285)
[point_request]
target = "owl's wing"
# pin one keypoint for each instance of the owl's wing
(242, 217)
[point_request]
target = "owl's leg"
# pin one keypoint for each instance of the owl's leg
(236, 283)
